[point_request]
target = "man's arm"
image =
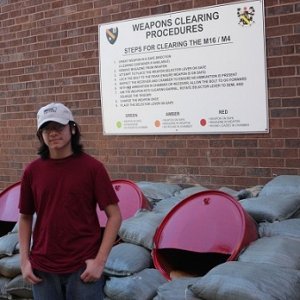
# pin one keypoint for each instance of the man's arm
(95, 266)
(25, 230)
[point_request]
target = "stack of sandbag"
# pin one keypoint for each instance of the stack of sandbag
(278, 200)
(129, 268)
(268, 268)
(12, 285)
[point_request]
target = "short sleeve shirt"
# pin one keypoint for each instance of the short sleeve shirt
(64, 194)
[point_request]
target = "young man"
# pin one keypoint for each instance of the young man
(63, 188)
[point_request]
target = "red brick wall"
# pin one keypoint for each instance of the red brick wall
(49, 52)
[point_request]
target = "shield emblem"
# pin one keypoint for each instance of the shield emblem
(112, 34)
(246, 15)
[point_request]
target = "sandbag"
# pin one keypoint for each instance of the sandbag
(283, 184)
(140, 286)
(3, 283)
(229, 191)
(184, 193)
(236, 280)
(19, 287)
(277, 250)
(290, 227)
(165, 205)
(158, 190)
(272, 208)
(140, 228)
(8, 244)
(10, 266)
(176, 290)
(126, 259)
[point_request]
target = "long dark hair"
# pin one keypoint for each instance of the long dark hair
(43, 150)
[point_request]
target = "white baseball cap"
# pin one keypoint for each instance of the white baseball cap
(55, 112)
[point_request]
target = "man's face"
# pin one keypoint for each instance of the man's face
(57, 137)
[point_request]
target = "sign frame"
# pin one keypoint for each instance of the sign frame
(142, 81)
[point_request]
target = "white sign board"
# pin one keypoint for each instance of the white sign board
(197, 71)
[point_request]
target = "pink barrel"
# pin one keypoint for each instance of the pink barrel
(130, 196)
(131, 199)
(9, 202)
(209, 226)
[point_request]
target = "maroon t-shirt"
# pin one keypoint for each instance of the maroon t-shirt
(64, 194)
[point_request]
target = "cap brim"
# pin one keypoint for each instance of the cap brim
(57, 120)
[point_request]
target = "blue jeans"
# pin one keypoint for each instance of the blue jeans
(66, 287)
